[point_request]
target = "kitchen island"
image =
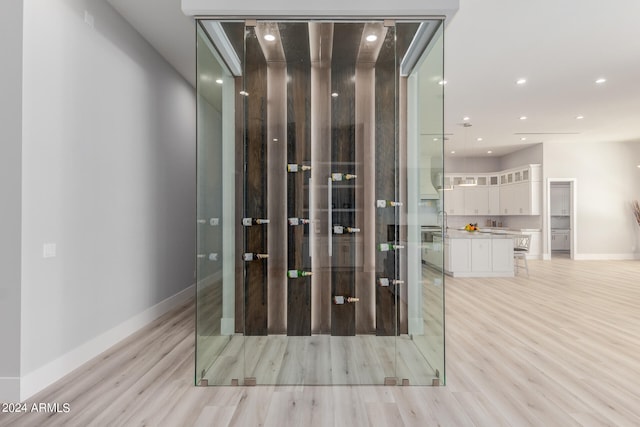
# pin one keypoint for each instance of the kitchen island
(478, 254)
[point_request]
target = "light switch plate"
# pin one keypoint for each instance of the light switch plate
(48, 250)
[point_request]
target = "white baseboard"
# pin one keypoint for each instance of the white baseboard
(606, 257)
(44, 376)
(546, 257)
(9, 389)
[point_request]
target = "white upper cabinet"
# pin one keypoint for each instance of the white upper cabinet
(494, 200)
(454, 201)
(521, 194)
(476, 200)
(511, 192)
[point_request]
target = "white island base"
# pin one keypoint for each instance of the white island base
(473, 254)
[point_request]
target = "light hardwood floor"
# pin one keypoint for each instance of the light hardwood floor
(561, 348)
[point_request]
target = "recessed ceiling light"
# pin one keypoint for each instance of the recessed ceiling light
(579, 117)
(372, 38)
(219, 81)
(334, 94)
(453, 152)
(601, 80)
(205, 77)
(442, 82)
(639, 166)
(243, 93)
(489, 152)
(466, 118)
(521, 81)
(523, 117)
(435, 139)
(269, 37)
(275, 139)
(523, 139)
(478, 139)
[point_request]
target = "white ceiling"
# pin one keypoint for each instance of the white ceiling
(170, 32)
(560, 47)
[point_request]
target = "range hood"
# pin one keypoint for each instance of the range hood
(430, 173)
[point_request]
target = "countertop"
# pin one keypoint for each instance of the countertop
(461, 234)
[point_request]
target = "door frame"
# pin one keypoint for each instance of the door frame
(573, 204)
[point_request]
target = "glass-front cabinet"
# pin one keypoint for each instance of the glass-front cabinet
(315, 141)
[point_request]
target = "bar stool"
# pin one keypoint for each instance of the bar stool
(520, 251)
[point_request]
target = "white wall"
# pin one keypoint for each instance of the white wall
(10, 195)
(607, 181)
(454, 164)
(526, 156)
(529, 155)
(108, 176)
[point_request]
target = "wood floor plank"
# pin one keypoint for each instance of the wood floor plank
(556, 349)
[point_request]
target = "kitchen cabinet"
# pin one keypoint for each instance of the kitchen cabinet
(494, 200)
(560, 240)
(512, 192)
(478, 255)
(521, 195)
(513, 199)
(476, 200)
(481, 255)
(457, 255)
(560, 200)
(454, 201)
(502, 256)
(484, 198)
(432, 252)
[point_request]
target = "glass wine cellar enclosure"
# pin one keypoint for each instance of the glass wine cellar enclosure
(319, 170)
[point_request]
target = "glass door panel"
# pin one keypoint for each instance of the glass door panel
(217, 332)
(425, 279)
(326, 276)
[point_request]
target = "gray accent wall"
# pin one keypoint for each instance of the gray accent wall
(10, 195)
(108, 177)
